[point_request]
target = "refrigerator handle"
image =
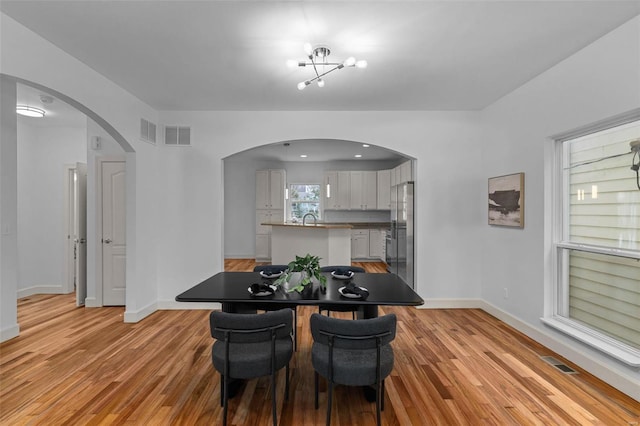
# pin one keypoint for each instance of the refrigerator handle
(394, 226)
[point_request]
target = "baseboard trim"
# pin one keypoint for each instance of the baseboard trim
(140, 314)
(40, 289)
(188, 306)
(451, 304)
(616, 378)
(91, 302)
(10, 332)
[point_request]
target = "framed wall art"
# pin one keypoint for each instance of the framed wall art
(506, 200)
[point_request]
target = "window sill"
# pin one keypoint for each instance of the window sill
(623, 353)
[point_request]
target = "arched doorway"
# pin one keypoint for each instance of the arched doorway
(305, 162)
(9, 255)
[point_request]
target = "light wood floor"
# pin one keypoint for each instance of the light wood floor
(77, 366)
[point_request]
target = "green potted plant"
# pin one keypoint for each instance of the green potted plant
(305, 270)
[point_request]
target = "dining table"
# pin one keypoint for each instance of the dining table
(232, 290)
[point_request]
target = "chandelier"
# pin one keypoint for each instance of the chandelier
(317, 57)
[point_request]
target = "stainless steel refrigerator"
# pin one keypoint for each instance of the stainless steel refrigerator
(399, 242)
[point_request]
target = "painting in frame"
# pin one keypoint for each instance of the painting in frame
(506, 200)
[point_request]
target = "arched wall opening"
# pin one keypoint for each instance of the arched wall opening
(9, 254)
(241, 222)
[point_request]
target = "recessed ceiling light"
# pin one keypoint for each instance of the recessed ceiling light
(303, 155)
(29, 111)
(364, 145)
(358, 155)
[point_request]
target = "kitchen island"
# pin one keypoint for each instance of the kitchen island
(331, 242)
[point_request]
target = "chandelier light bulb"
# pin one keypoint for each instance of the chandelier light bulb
(308, 49)
(361, 64)
(292, 63)
(320, 82)
(351, 61)
(303, 84)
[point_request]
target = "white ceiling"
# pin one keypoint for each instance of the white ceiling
(230, 55)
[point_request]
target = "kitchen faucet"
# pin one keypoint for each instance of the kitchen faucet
(304, 218)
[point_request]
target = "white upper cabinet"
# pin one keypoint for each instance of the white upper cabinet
(338, 190)
(270, 189)
(406, 172)
(383, 201)
(364, 186)
(402, 173)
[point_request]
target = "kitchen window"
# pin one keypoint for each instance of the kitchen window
(303, 199)
(596, 296)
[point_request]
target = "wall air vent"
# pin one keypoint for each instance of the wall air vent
(147, 131)
(177, 135)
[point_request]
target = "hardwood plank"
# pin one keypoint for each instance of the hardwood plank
(85, 366)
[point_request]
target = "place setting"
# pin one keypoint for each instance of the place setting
(272, 273)
(262, 289)
(352, 291)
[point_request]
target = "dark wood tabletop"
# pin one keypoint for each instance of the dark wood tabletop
(232, 287)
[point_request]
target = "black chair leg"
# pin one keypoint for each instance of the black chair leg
(273, 398)
(295, 329)
(221, 390)
(378, 403)
(286, 384)
(225, 403)
(315, 382)
(329, 401)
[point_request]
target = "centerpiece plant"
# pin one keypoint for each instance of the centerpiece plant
(309, 269)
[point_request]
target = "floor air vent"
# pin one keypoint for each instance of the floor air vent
(559, 365)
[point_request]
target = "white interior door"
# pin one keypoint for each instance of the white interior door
(113, 233)
(70, 228)
(81, 233)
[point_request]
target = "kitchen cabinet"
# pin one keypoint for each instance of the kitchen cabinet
(363, 191)
(402, 173)
(270, 189)
(263, 232)
(377, 243)
(359, 243)
(383, 201)
(270, 208)
(338, 190)
(406, 172)
(263, 247)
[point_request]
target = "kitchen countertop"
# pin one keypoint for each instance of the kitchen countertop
(326, 225)
(311, 225)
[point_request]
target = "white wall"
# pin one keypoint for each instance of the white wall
(42, 155)
(600, 81)
(8, 211)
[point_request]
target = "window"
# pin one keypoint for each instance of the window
(303, 199)
(597, 289)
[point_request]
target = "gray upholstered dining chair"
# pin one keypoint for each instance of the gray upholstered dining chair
(276, 306)
(352, 353)
(336, 307)
(248, 346)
